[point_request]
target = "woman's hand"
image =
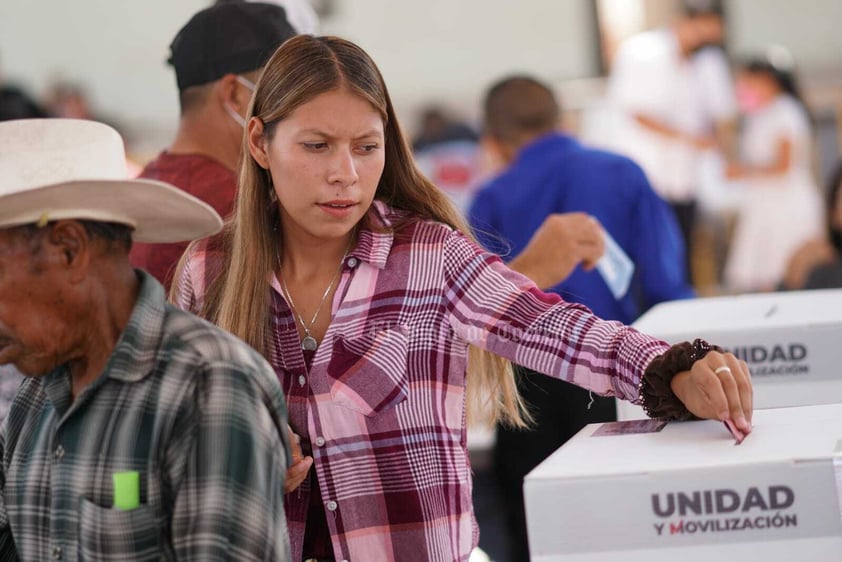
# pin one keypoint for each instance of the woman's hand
(300, 464)
(717, 386)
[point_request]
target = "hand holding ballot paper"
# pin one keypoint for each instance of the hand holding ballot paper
(566, 240)
(563, 241)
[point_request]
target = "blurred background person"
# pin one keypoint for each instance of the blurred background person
(781, 205)
(548, 172)
(437, 127)
(68, 100)
(447, 151)
(674, 93)
(15, 103)
(217, 57)
(827, 274)
(817, 264)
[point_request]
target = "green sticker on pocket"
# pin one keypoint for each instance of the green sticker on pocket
(126, 490)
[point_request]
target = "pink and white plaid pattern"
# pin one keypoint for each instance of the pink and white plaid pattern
(383, 405)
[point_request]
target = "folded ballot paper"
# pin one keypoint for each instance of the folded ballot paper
(616, 267)
(649, 491)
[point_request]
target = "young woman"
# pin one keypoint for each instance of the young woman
(353, 275)
(781, 205)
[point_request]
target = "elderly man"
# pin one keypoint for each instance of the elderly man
(217, 57)
(140, 431)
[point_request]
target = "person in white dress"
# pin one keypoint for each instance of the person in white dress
(673, 96)
(781, 205)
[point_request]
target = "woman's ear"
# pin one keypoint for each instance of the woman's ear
(258, 144)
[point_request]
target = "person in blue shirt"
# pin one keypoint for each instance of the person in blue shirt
(548, 172)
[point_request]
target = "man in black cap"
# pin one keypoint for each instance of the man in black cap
(217, 57)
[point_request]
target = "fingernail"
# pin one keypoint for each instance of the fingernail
(724, 415)
(743, 424)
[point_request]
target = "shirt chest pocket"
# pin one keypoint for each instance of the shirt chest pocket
(368, 373)
(112, 534)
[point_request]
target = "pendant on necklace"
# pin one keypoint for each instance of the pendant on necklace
(309, 343)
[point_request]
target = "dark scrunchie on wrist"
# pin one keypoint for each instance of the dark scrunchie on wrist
(656, 395)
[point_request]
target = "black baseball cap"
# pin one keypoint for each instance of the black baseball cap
(694, 8)
(233, 37)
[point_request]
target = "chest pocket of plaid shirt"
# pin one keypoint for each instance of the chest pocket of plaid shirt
(112, 534)
(368, 373)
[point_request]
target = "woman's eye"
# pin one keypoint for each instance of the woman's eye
(369, 147)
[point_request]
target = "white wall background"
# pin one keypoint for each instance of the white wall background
(115, 48)
(438, 50)
(451, 50)
(808, 28)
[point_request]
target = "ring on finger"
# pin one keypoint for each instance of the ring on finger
(722, 369)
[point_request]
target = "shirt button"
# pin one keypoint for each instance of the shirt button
(352, 262)
(331, 505)
(302, 379)
(59, 454)
(320, 441)
(57, 553)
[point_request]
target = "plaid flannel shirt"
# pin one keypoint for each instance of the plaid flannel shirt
(383, 405)
(197, 413)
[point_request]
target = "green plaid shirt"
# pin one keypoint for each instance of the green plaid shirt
(200, 416)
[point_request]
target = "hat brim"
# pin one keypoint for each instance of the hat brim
(158, 212)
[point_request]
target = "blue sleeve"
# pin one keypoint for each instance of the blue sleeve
(658, 246)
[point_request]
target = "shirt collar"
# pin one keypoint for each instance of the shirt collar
(374, 241)
(376, 236)
(136, 351)
(537, 147)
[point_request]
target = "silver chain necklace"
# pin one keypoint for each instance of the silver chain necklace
(309, 343)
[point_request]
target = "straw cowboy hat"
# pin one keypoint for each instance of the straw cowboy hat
(54, 169)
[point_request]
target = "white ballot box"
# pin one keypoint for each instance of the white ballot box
(792, 342)
(642, 491)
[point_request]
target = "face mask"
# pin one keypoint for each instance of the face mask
(230, 110)
(748, 99)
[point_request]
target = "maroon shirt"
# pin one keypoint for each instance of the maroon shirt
(198, 175)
